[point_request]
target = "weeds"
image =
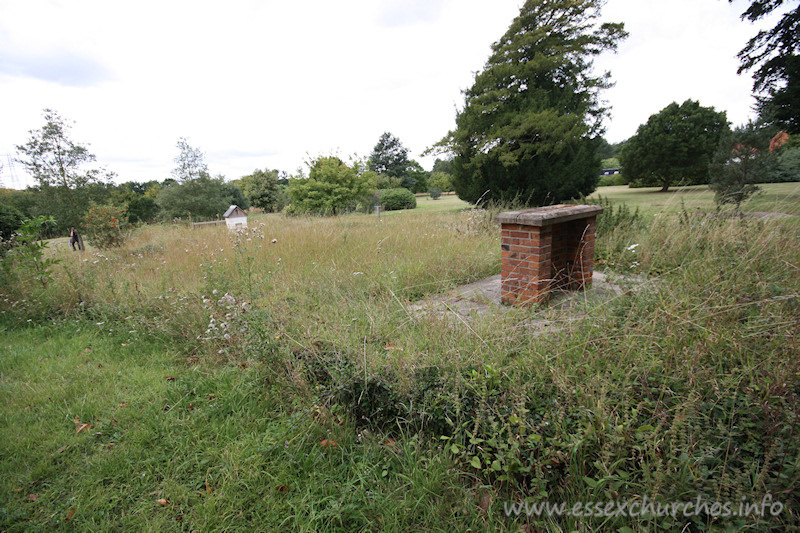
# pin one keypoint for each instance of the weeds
(27, 254)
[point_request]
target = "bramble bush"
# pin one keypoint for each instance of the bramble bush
(104, 226)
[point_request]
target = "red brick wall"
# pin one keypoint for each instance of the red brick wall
(539, 259)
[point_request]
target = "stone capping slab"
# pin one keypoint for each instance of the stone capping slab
(548, 215)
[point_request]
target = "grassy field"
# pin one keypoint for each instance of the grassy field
(445, 203)
(773, 198)
(277, 380)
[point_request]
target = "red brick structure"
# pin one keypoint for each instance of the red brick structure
(545, 249)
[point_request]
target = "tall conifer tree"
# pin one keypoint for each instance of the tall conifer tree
(531, 120)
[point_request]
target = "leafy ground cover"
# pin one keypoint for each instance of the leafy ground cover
(275, 379)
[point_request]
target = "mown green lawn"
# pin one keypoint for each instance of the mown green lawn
(445, 203)
(774, 198)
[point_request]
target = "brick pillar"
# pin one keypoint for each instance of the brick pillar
(544, 249)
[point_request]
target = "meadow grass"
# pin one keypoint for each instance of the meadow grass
(234, 382)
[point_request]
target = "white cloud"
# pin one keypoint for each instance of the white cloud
(260, 83)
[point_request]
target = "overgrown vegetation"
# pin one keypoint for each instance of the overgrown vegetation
(204, 380)
(25, 265)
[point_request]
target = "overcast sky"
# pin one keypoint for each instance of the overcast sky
(263, 83)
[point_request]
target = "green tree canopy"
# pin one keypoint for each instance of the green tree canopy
(384, 181)
(416, 179)
(331, 188)
(261, 189)
(389, 157)
(781, 105)
(58, 164)
(199, 198)
(674, 147)
(141, 209)
(443, 165)
(775, 56)
(605, 150)
(529, 124)
(788, 164)
(10, 220)
(441, 180)
(24, 202)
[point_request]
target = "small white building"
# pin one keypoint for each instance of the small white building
(235, 218)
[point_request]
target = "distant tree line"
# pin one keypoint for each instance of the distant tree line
(68, 184)
(529, 132)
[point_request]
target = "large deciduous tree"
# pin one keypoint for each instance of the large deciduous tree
(775, 56)
(674, 147)
(528, 130)
(58, 164)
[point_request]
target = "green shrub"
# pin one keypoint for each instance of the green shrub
(10, 220)
(606, 181)
(331, 188)
(26, 257)
(435, 193)
(103, 226)
(394, 199)
(614, 179)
